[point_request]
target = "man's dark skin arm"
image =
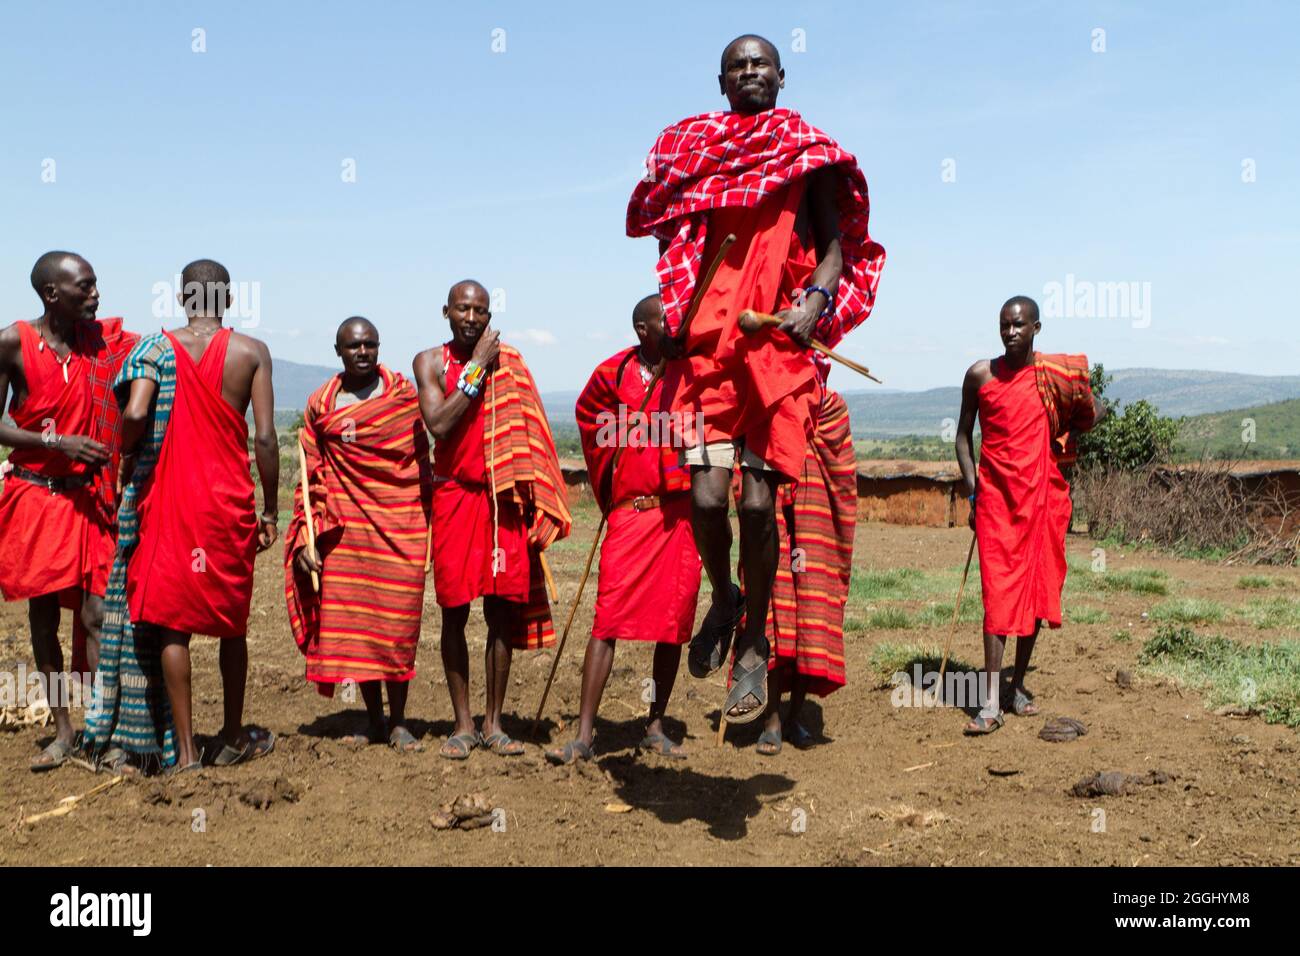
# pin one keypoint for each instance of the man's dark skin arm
(78, 448)
(266, 448)
(823, 212)
(441, 407)
(976, 376)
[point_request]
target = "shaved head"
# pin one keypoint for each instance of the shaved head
(768, 46)
(467, 284)
(205, 288)
(347, 324)
(1026, 305)
(49, 267)
(646, 309)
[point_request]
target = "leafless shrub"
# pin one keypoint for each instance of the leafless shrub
(1202, 508)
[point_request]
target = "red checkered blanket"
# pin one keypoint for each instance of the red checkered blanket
(724, 159)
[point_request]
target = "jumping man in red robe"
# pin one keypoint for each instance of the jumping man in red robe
(1031, 407)
(797, 204)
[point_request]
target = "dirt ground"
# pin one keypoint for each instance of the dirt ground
(883, 785)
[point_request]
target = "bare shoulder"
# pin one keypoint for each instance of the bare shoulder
(10, 337)
(250, 349)
(427, 365)
(978, 374)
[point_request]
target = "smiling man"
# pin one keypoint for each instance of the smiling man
(1031, 409)
(498, 502)
(797, 204)
(369, 483)
(59, 502)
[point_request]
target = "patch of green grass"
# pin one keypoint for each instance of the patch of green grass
(940, 614)
(1189, 611)
(888, 659)
(1135, 580)
(1264, 678)
(890, 584)
(1276, 613)
(1086, 615)
(1256, 582)
(1122, 637)
(890, 619)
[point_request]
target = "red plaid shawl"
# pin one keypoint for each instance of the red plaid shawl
(724, 159)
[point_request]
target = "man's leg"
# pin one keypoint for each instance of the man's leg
(233, 658)
(596, 665)
(991, 707)
(176, 678)
(667, 659)
(372, 694)
(759, 551)
(397, 690)
(92, 619)
(43, 617)
(455, 666)
(501, 617)
(1024, 650)
(710, 487)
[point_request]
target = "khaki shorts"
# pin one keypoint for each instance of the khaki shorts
(723, 454)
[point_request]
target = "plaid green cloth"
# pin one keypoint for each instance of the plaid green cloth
(130, 709)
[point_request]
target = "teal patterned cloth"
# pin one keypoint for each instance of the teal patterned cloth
(130, 709)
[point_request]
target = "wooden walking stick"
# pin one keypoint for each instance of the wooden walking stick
(952, 629)
(751, 321)
(306, 509)
(680, 338)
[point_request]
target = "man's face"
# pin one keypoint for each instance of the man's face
(650, 327)
(467, 311)
(750, 78)
(1018, 328)
(358, 347)
(75, 291)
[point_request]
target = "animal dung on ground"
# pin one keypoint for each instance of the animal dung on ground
(469, 811)
(1116, 783)
(1061, 729)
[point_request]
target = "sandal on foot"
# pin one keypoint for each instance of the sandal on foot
(709, 647)
(364, 738)
(458, 746)
(983, 725)
(403, 741)
(800, 738)
(54, 755)
(257, 743)
(771, 740)
(176, 768)
(570, 753)
(1022, 703)
(117, 762)
(746, 683)
(501, 744)
(661, 745)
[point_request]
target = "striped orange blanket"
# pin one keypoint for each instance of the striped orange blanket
(524, 469)
(1065, 387)
(815, 520)
(367, 466)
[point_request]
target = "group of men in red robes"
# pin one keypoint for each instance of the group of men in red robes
(161, 422)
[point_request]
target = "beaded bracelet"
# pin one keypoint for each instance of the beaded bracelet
(830, 299)
(471, 379)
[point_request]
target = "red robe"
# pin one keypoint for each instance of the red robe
(192, 570)
(1022, 508)
(649, 567)
(471, 557)
(63, 542)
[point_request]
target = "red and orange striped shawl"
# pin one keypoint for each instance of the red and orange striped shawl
(520, 451)
(1065, 387)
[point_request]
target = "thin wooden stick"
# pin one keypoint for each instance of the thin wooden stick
(550, 581)
(68, 804)
(956, 609)
(751, 321)
(306, 509)
(681, 336)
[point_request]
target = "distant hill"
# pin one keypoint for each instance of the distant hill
(1276, 432)
(1178, 392)
(295, 382)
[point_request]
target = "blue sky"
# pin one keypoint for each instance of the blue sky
(1122, 166)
